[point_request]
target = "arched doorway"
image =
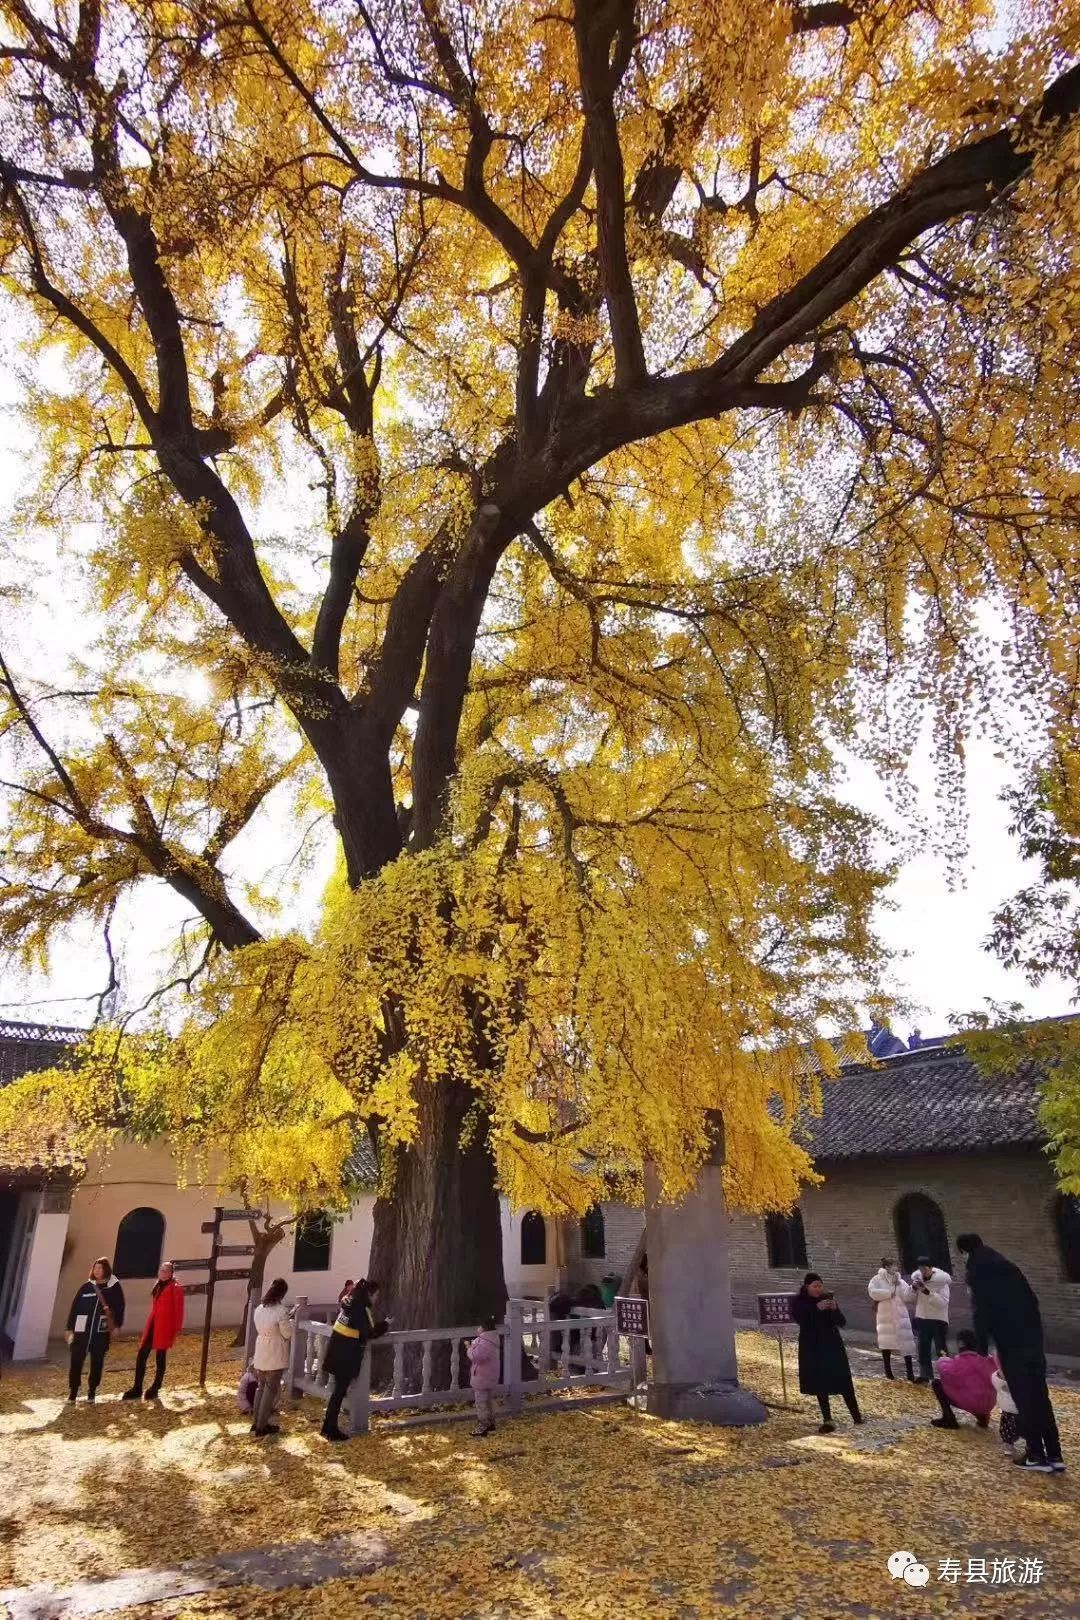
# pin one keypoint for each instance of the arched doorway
(920, 1229)
(533, 1239)
(139, 1240)
(1067, 1222)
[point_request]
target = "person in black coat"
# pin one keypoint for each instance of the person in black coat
(1005, 1309)
(354, 1327)
(97, 1311)
(823, 1362)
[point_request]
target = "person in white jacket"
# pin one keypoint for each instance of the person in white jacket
(931, 1287)
(892, 1296)
(273, 1335)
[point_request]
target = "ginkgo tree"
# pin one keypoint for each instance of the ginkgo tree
(552, 431)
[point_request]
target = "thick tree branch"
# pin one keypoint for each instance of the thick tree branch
(600, 29)
(965, 181)
(197, 881)
(451, 641)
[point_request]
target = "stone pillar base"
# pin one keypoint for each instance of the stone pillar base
(724, 1403)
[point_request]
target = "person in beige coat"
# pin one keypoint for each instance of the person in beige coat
(273, 1340)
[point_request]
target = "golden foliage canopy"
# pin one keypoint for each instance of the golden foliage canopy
(550, 433)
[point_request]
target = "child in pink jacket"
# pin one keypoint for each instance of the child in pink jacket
(966, 1381)
(484, 1359)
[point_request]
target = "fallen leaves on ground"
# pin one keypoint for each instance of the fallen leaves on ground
(585, 1515)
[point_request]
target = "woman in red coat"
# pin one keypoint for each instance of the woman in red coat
(163, 1324)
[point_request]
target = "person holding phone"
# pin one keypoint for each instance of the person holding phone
(930, 1286)
(354, 1326)
(892, 1296)
(823, 1362)
(97, 1312)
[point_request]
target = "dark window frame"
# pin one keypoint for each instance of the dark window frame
(140, 1234)
(785, 1240)
(312, 1242)
(533, 1239)
(593, 1234)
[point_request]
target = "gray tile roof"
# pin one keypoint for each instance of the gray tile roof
(929, 1101)
(26, 1048)
(360, 1167)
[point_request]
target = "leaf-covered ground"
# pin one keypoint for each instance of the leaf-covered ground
(587, 1515)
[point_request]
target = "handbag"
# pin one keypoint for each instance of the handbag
(106, 1311)
(245, 1391)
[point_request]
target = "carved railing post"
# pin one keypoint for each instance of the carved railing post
(514, 1352)
(360, 1397)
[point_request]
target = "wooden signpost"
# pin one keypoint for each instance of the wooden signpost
(218, 1250)
(774, 1310)
(632, 1319)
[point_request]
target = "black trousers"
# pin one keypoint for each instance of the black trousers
(1025, 1374)
(930, 1335)
(99, 1349)
(887, 1355)
(848, 1397)
(345, 1365)
(145, 1352)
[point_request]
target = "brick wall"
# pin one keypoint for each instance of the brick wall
(622, 1228)
(1007, 1197)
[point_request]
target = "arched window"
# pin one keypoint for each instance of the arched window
(533, 1239)
(920, 1229)
(786, 1239)
(592, 1234)
(139, 1240)
(311, 1244)
(1067, 1221)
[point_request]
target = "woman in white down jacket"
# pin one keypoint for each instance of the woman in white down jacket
(892, 1296)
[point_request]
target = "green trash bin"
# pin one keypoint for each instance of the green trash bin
(609, 1287)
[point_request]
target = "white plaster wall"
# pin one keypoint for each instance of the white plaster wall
(30, 1331)
(524, 1281)
(136, 1176)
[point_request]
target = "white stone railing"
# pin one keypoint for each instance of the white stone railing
(430, 1370)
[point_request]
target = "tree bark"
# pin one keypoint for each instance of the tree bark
(437, 1243)
(265, 1244)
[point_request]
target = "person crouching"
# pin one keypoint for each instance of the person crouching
(964, 1381)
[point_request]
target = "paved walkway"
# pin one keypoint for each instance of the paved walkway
(299, 1563)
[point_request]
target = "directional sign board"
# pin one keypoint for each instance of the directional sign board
(236, 1248)
(208, 1226)
(235, 1215)
(632, 1316)
(192, 1265)
(231, 1276)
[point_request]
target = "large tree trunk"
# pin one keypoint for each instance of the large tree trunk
(437, 1244)
(265, 1243)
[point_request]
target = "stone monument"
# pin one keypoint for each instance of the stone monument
(692, 1326)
